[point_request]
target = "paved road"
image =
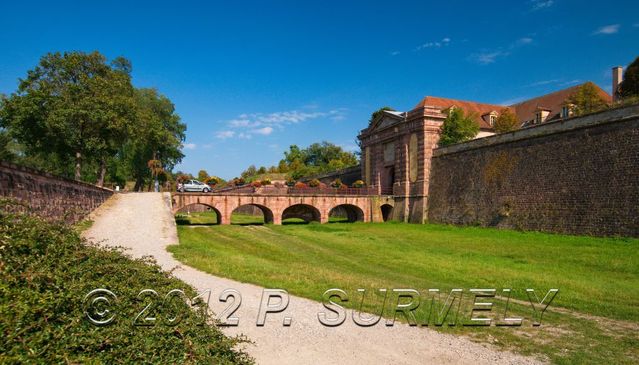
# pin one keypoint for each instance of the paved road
(143, 223)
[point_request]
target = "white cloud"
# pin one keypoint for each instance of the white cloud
(239, 122)
(636, 25)
(224, 134)
(263, 131)
(189, 146)
(438, 44)
(246, 125)
(523, 41)
(395, 53)
(488, 57)
(570, 82)
(541, 4)
(608, 29)
(514, 101)
(544, 82)
(560, 82)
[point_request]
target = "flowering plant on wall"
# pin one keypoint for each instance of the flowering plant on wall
(359, 184)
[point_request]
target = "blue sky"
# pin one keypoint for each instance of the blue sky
(251, 78)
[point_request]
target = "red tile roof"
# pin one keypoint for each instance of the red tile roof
(524, 111)
(552, 102)
(469, 107)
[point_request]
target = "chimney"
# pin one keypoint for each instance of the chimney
(616, 80)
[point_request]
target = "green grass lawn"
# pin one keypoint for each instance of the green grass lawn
(598, 278)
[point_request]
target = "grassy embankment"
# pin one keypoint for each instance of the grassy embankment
(46, 270)
(594, 318)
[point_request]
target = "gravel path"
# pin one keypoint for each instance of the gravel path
(143, 223)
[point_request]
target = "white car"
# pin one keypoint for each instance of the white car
(193, 185)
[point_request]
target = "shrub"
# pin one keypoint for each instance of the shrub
(213, 180)
(266, 181)
(47, 269)
(314, 183)
(300, 185)
(359, 184)
(182, 178)
(337, 183)
(290, 181)
(256, 184)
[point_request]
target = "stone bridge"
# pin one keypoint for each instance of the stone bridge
(277, 207)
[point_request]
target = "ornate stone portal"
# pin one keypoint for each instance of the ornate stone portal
(397, 149)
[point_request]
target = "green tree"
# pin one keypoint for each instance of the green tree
(249, 172)
(72, 107)
(587, 99)
(506, 121)
(157, 134)
(282, 167)
(378, 112)
(202, 175)
(457, 127)
(316, 158)
(629, 87)
(7, 147)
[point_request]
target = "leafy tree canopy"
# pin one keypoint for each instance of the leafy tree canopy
(586, 99)
(506, 121)
(629, 87)
(76, 114)
(202, 175)
(317, 158)
(73, 106)
(458, 127)
(298, 162)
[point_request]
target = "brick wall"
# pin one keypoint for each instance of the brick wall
(50, 196)
(578, 176)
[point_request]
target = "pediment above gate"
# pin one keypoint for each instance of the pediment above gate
(386, 119)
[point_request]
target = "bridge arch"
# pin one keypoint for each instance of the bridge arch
(351, 212)
(306, 212)
(267, 213)
(197, 208)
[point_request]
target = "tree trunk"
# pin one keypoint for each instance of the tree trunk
(102, 173)
(78, 165)
(138, 184)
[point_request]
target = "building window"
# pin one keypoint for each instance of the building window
(565, 111)
(493, 119)
(538, 118)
